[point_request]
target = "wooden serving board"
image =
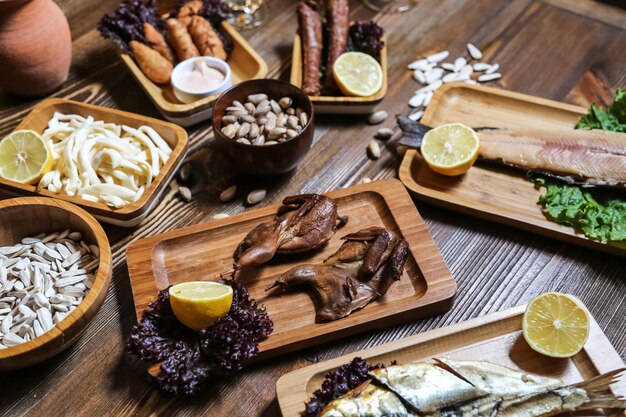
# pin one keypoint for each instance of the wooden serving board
(495, 337)
(490, 191)
(203, 251)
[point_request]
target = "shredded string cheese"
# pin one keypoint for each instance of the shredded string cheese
(102, 162)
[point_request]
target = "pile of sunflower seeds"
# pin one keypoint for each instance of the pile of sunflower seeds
(432, 73)
(42, 280)
(263, 121)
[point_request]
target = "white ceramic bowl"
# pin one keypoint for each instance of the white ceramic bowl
(188, 96)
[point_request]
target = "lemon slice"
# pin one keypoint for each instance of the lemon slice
(556, 325)
(358, 74)
(25, 157)
(450, 149)
(198, 304)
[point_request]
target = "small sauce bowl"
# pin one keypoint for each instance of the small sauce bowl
(187, 66)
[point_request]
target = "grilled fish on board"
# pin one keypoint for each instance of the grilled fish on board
(451, 388)
(592, 158)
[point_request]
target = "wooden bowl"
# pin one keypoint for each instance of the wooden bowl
(264, 160)
(133, 213)
(29, 216)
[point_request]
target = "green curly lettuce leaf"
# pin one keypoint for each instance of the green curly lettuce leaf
(612, 118)
(600, 218)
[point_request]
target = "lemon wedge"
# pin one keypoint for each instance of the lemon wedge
(556, 325)
(450, 149)
(198, 304)
(358, 74)
(25, 157)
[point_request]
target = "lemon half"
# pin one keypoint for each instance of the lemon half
(358, 74)
(25, 157)
(198, 304)
(556, 325)
(450, 149)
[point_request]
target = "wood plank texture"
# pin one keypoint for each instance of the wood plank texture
(204, 252)
(544, 50)
(491, 191)
(496, 337)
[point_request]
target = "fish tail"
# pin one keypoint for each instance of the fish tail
(600, 382)
(598, 390)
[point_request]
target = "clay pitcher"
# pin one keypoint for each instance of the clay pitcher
(35, 47)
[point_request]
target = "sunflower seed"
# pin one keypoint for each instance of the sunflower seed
(492, 69)
(419, 76)
(429, 96)
(11, 339)
(420, 64)
(459, 63)
(433, 75)
(438, 57)
(489, 77)
(474, 51)
(417, 115)
(220, 216)
(481, 66)
(417, 100)
(447, 66)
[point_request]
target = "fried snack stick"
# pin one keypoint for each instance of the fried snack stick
(158, 42)
(181, 40)
(205, 38)
(156, 67)
(188, 10)
(310, 23)
(337, 17)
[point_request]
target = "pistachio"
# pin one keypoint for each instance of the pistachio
(260, 140)
(257, 98)
(249, 107)
(256, 197)
(185, 193)
(228, 193)
(275, 107)
(291, 133)
(248, 118)
(243, 131)
(270, 142)
(230, 131)
(373, 149)
(384, 133)
(244, 141)
(377, 117)
(281, 119)
(285, 102)
(238, 104)
(293, 122)
(254, 131)
(276, 133)
(304, 119)
(229, 119)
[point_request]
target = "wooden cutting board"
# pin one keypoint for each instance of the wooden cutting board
(496, 338)
(204, 251)
(490, 191)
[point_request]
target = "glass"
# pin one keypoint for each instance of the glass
(390, 6)
(247, 14)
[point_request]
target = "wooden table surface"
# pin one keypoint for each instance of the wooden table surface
(571, 51)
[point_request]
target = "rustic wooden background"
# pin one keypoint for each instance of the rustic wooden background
(569, 50)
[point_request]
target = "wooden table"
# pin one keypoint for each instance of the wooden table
(565, 50)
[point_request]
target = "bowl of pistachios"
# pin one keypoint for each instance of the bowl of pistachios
(264, 127)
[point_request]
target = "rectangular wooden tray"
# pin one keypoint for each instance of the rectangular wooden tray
(245, 64)
(491, 192)
(338, 104)
(203, 251)
(131, 214)
(495, 337)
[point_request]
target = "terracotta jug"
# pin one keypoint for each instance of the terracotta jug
(35, 47)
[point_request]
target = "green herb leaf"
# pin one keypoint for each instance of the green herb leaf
(572, 206)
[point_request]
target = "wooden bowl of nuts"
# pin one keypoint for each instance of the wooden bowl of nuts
(264, 127)
(54, 275)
